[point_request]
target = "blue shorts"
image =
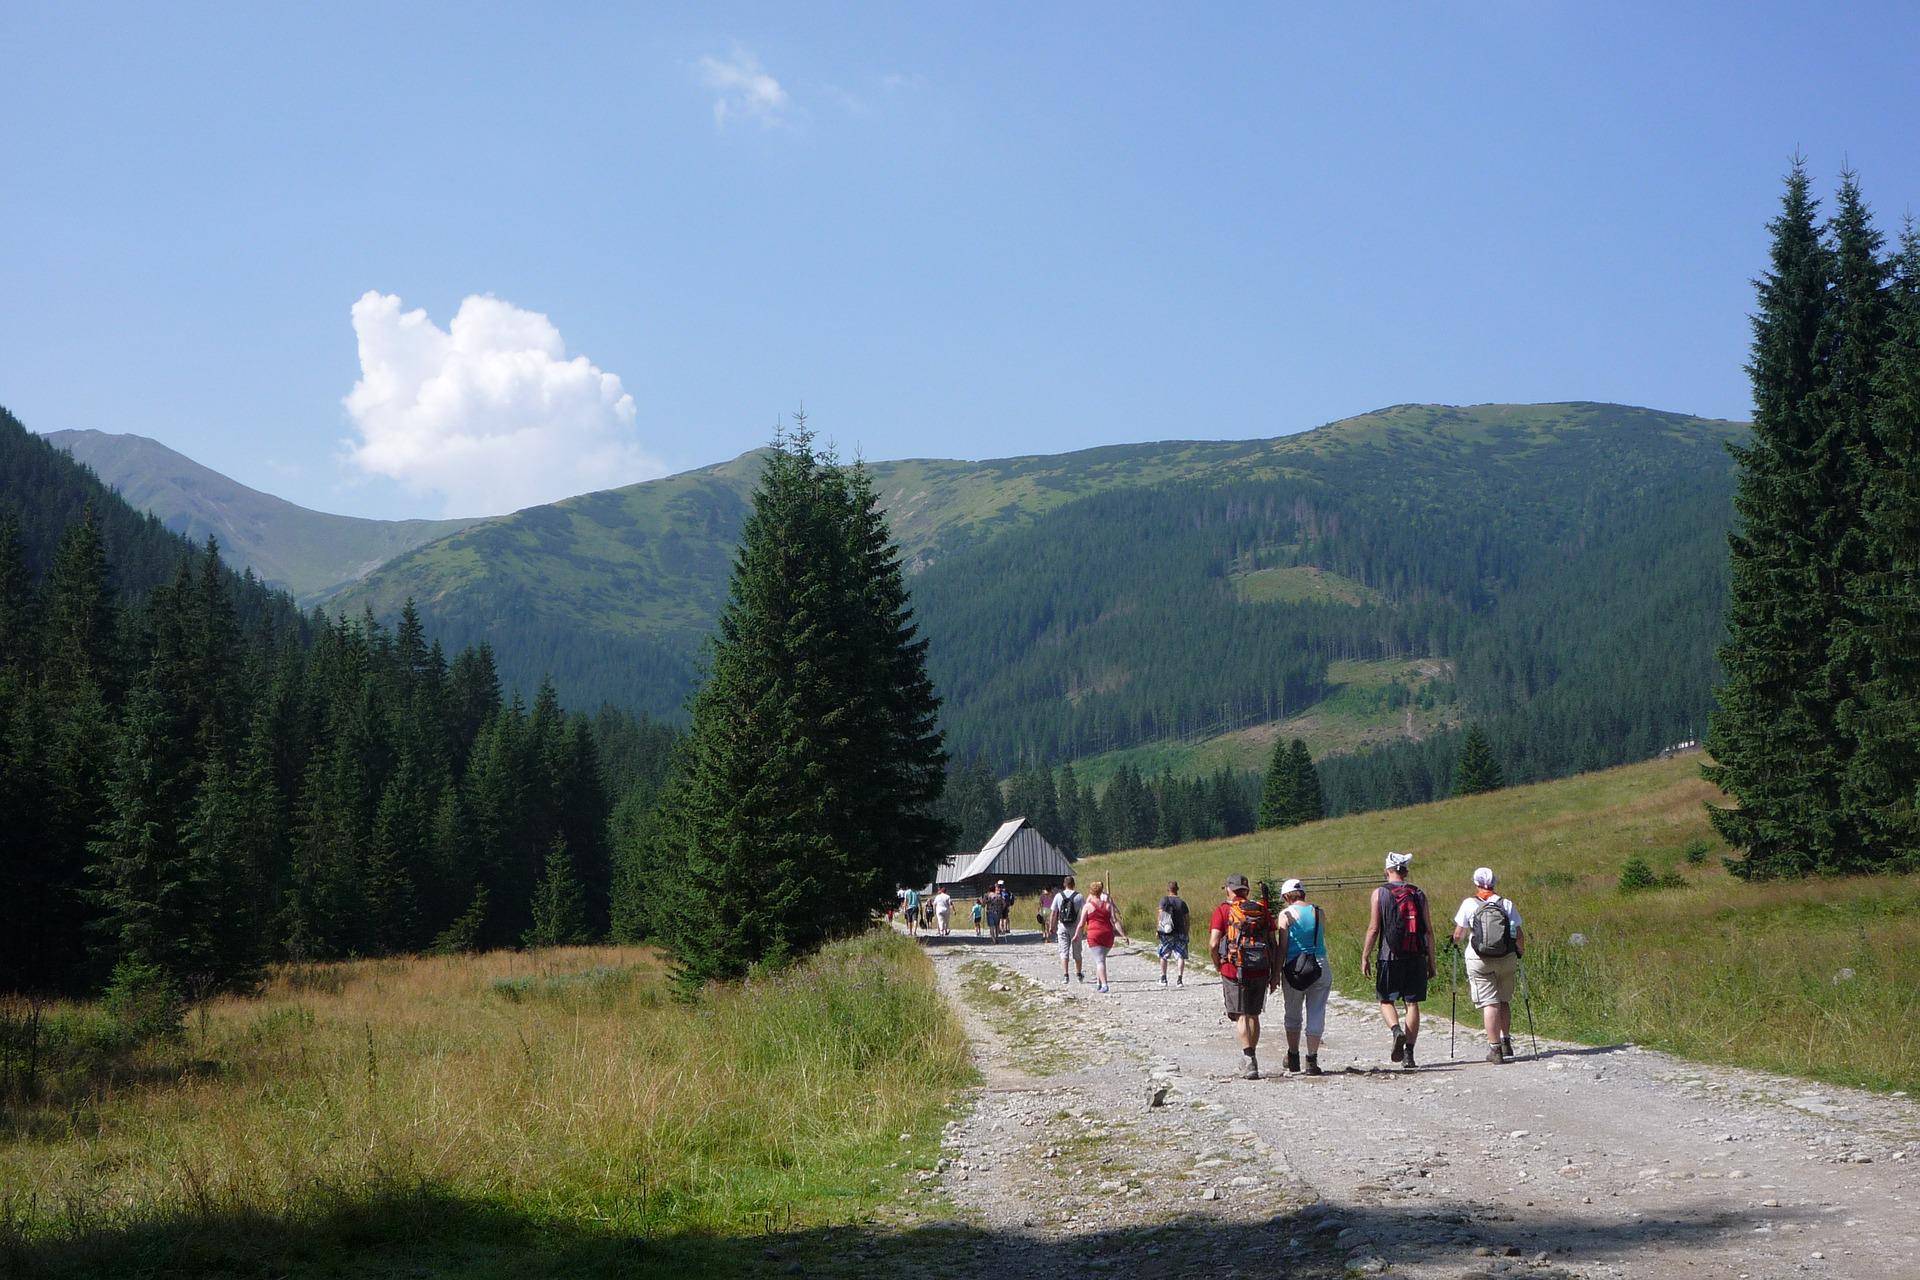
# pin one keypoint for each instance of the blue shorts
(1173, 944)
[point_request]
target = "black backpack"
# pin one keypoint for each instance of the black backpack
(1303, 970)
(1070, 908)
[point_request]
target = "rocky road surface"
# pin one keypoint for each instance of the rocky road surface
(1608, 1161)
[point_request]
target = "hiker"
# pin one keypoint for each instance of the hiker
(1240, 939)
(1043, 917)
(979, 915)
(1489, 926)
(1305, 928)
(1006, 908)
(993, 913)
(1100, 922)
(1400, 935)
(910, 907)
(943, 910)
(1173, 933)
(1063, 917)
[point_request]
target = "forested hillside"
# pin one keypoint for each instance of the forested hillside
(196, 778)
(308, 553)
(1569, 559)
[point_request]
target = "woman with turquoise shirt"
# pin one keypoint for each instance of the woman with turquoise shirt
(1306, 1009)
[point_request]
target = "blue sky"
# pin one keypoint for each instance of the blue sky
(968, 230)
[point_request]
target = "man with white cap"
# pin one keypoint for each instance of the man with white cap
(1400, 938)
(1489, 926)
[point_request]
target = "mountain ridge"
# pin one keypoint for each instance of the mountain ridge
(308, 553)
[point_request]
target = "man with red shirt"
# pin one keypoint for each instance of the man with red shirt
(1245, 992)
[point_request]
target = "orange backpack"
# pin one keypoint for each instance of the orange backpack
(1250, 937)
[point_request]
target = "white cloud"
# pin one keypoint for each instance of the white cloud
(489, 413)
(744, 90)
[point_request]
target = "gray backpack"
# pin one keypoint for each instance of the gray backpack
(1492, 932)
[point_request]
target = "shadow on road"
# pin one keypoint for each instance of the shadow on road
(421, 1232)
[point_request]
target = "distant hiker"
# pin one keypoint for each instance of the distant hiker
(1306, 976)
(994, 908)
(1006, 908)
(979, 916)
(910, 907)
(1100, 922)
(1400, 935)
(1240, 938)
(1042, 917)
(1489, 926)
(1173, 933)
(943, 910)
(1063, 918)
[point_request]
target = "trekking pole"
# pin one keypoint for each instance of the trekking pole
(1453, 992)
(1527, 997)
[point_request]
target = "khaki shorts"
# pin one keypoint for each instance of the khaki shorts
(1491, 981)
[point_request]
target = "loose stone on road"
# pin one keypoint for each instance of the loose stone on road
(1130, 1147)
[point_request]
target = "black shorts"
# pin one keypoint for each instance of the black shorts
(1397, 980)
(1250, 999)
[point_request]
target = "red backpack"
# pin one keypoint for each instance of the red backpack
(1403, 920)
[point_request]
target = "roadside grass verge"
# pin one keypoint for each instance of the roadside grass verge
(1815, 978)
(550, 1113)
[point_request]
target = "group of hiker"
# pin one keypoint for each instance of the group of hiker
(1259, 946)
(1259, 949)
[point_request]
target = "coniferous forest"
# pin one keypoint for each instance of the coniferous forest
(199, 779)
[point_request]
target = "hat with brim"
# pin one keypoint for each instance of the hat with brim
(1236, 882)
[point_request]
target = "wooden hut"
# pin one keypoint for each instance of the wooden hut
(1017, 853)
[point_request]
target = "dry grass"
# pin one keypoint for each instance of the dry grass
(1818, 978)
(563, 1089)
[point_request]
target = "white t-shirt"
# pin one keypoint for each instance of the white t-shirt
(1463, 918)
(942, 903)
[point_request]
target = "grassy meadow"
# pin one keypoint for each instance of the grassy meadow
(1819, 978)
(509, 1114)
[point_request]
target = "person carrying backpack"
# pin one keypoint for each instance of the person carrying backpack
(1489, 926)
(1240, 938)
(1063, 918)
(1400, 939)
(910, 908)
(1173, 933)
(1306, 976)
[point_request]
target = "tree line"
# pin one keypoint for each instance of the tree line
(197, 795)
(1817, 735)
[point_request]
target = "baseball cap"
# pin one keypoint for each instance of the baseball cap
(1291, 886)
(1236, 882)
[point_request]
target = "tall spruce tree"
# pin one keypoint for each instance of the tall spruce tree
(1772, 737)
(1276, 792)
(1477, 770)
(1309, 801)
(812, 763)
(1884, 773)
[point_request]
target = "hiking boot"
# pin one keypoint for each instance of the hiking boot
(1180, 981)
(1506, 1047)
(1407, 1062)
(1064, 979)
(1494, 1054)
(1313, 1066)
(1080, 976)
(1293, 1060)
(1252, 1070)
(1399, 1045)
(1163, 979)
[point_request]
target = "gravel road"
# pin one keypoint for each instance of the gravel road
(1610, 1161)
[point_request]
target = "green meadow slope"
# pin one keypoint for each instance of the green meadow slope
(1816, 978)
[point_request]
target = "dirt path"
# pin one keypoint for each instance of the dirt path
(1588, 1162)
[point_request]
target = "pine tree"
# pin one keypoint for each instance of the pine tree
(559, 903)
(1884, 772)
(1276, 792)
(1771, 738)
(1477, 770)
(1309, 801)
(813, 760)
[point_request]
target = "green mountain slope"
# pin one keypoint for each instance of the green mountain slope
(309, 553)
(1089, 602)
